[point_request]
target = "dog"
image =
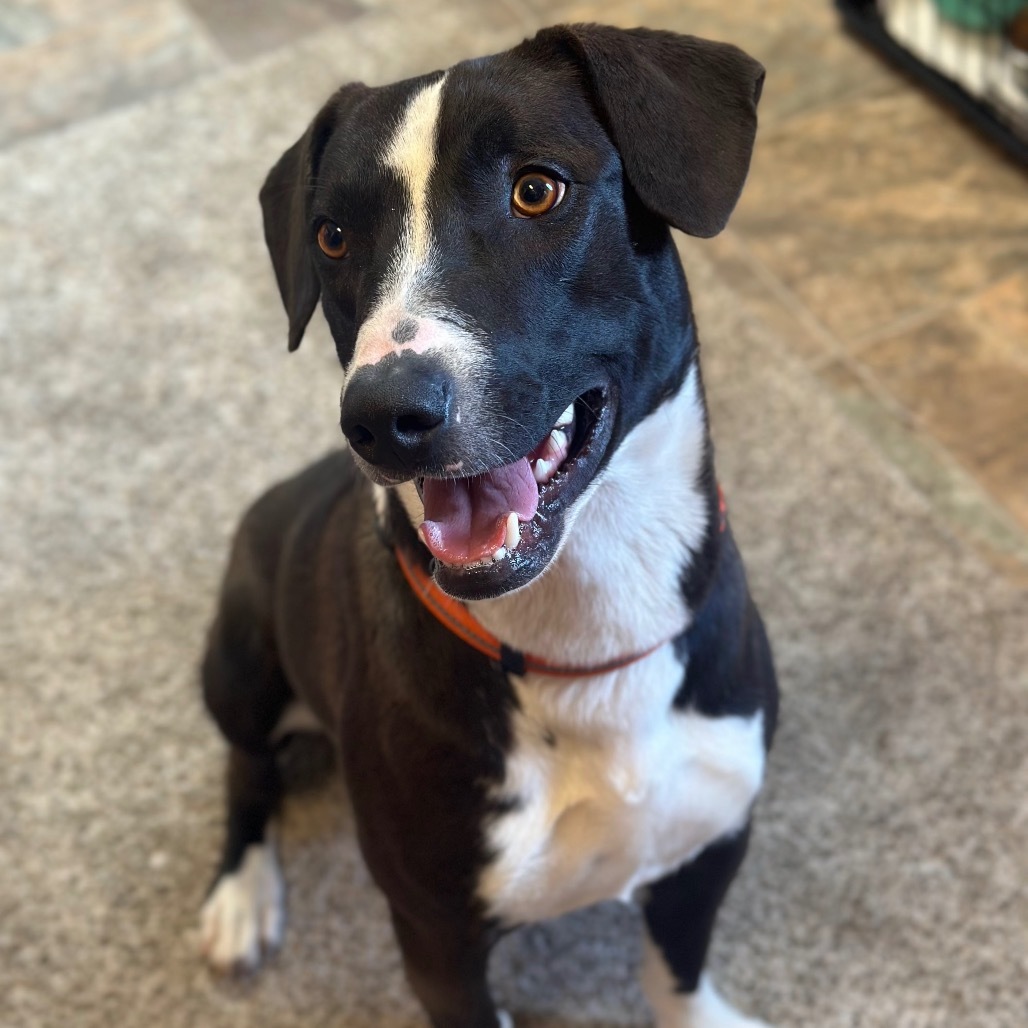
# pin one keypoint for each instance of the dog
(513, 601)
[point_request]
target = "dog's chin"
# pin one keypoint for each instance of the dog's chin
(540, 538)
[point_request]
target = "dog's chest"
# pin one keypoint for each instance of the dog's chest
(608, 787)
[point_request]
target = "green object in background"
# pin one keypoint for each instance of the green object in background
(980, 15)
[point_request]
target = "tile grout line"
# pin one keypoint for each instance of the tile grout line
(224, 65)
(527, 23)
(788, 298)
(892, 407)
(772, 124)
(839, 351)
(221, 63)
(106, 112)
(204, 31)
(915, 319)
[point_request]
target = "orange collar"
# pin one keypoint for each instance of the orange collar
(453, 615)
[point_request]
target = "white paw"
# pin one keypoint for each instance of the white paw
(244, 915)
(506, 1021)
(705, 1008)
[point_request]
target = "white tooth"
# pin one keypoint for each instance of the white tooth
(421, 533)
(499, 554)
(541, 470)
(513, 531)
(557, 447)
(567, 417)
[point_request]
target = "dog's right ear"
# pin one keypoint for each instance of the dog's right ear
(286, 205)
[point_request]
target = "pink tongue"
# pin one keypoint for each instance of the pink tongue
(466, 518)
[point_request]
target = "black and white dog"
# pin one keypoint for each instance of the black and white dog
(513, 602)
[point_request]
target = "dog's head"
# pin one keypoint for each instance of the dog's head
(490, 246)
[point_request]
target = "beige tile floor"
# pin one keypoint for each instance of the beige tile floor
(878, 235)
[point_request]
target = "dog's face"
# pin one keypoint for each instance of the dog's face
(490, 246)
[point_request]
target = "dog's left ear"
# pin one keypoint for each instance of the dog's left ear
(682, 112)
(286, 205)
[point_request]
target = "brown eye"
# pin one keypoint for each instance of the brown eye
(535, 194)
(331, 240)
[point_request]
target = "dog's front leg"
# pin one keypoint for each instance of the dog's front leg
(446, 963)
(680, 911)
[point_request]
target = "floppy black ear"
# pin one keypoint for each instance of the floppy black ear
(682, 112)
(286, 204)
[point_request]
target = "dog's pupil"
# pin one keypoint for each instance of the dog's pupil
(534, 191)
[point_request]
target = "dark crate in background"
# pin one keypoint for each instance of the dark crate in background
(969, 63)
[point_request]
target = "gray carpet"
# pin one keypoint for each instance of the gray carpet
(146, 395)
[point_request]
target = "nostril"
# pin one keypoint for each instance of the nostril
(360, 436)
(397, 412)
(419, 422)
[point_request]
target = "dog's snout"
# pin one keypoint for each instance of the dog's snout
(395, 412)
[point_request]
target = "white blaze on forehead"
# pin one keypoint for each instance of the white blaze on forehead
(411, 155)
(405, 294)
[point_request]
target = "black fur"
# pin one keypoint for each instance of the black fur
(588, 304)
(680, 909)
(726, 652)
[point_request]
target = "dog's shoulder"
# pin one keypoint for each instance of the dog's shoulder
(318, 484)
(304, 498)
(729, 669)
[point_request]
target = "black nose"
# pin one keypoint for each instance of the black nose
(395, 412)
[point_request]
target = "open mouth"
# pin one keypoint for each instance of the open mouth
(509, 518)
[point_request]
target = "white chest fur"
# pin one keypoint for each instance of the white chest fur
(611, 786)
(613, 789)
